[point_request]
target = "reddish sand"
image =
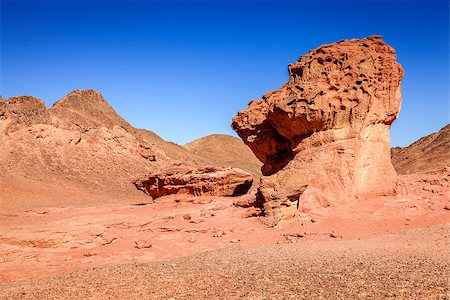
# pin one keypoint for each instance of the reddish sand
(44, 241)
(411, 264)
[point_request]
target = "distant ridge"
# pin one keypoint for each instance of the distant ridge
(226, 150)
(430, 153)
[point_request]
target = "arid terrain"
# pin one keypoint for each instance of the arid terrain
(309, 205)
(393, 266)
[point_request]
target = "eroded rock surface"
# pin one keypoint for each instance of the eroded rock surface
(211, 181)
(324, 136)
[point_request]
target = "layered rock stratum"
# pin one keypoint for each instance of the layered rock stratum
(210, 181)
(323, 137)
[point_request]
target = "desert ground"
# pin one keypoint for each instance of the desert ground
(209, 248)
(394, 266)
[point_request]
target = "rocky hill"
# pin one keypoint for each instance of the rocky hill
(79, 146)
(226, 150)
(427, 154)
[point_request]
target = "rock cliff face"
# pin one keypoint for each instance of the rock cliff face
(210, 181)
(324, 136)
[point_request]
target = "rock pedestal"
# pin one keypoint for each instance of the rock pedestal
(324, 135)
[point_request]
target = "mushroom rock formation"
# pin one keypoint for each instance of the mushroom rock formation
(323, 137)
(209, 180)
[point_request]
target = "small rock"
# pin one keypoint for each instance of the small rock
(332, 235)
(218, 234)
(142, 244)
(107, 240)
(196, 221)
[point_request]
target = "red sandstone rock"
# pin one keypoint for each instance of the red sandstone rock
(324, 136)
(211, 181)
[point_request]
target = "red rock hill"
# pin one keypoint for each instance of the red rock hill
(430, 153)
(79, 146)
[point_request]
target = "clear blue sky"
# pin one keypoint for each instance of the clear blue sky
(182, 69)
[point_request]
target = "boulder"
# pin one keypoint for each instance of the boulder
(323, 137)
(212, 181)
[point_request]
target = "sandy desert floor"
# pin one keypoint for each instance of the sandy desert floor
(411, 264)
(206, 248)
